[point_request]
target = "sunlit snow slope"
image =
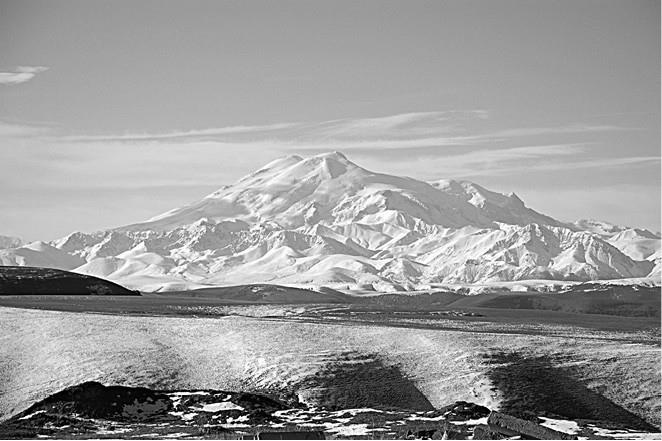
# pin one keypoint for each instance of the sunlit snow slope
(326, 221)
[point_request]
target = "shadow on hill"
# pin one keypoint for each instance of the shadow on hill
(26, 280)
(535, 386)
(358, 381)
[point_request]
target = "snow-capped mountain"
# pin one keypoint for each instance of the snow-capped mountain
(326, 221)
(329, 189)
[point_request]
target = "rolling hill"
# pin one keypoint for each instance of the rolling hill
(21, 280)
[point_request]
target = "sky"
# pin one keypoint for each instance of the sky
(112, 112)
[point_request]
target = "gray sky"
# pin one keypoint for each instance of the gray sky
(114, 111)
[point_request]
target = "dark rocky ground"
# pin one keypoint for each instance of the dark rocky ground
(92, 410)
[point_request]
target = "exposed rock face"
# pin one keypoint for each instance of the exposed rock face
(462, 411)
(511, 426)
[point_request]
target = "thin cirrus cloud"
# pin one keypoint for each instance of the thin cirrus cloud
(459, 143)
(399, 125)
(548, 158)
(490, 161)
(414, 130)
(12, 130)
(404, 124)
(183, 135)
(21, 74)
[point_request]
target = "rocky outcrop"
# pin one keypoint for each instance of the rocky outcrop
(92, 410)
(510, 426)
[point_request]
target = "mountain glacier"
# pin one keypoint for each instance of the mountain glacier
(325, 221)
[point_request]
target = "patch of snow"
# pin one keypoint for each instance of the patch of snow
(27, 417)
(625, 434)
(356, 411)
(239, 419)
(415, 417)
(472, 422)
(189, 393)
(351, 430)
(184, 416)
(115, 431)
(218, 407)
(560, 425)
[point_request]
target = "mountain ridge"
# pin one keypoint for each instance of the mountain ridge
(324, 220)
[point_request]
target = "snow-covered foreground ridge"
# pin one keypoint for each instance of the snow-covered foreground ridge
(326, 221)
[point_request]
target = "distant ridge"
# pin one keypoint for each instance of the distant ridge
(263, 294)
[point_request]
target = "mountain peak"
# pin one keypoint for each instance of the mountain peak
(334, 155)
(326, 165)
(512, 195)
(294, 191)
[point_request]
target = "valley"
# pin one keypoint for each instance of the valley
(331, 356)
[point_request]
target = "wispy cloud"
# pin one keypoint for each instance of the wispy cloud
(568, 129)
(491, 161)
(535, 159)
(461, 144)
(423, 131)
(601, 164)
(9, 129)
(185, 135)
(404, 125)
(20, 75)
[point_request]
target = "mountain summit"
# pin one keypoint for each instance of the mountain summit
(324, 220)
(330, 189)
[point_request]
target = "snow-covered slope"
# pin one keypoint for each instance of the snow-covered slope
(636, 243)
(9, 242)
(39, 254)
(326, 221)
